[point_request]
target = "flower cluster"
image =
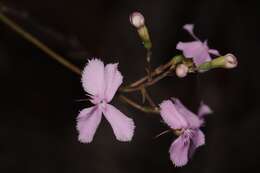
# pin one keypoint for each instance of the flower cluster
(101, 83)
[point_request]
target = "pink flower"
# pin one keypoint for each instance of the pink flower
(197, 50)
(101, 83)
(178, 117)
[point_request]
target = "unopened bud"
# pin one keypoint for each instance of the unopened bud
(227, 61)
(137, 19)
(181, 70)
(230, 61)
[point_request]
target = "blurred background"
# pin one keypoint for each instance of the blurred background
(39, 96)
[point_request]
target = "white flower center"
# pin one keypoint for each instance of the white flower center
(102, 104)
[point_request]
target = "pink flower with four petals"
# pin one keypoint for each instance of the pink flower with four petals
(178, 117)
(101, 83)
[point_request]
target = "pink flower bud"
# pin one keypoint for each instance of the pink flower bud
(181, 70)
(137, 19)
(230, 61)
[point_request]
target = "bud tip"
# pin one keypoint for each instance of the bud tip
(137, 19)
(230, 61)
(181, 70)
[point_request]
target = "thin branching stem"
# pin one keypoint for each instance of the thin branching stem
(148, 97)
(148, 61)
(154, 73)
(139, 107)
(148, 83)
(29, 37)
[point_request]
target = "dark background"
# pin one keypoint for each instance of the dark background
(38, 96)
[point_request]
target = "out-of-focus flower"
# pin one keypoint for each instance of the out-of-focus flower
(101, 83)
(197, 50)
(180, 119)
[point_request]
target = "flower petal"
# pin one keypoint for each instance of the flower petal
(179, 151)
(196, 50)
(189, 28)
(93, 78)
(87, 123)
(214, 52)
(191, 118)
(122, 126)
(171, 116)
(113, 79)
(202, 56)
(190, 49)
(197, 140)
(204, 110)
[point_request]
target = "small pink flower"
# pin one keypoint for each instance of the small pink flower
(197, 50)
(101, 83)
(178, 117)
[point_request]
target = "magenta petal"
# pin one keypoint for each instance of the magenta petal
(204, 110)
(198, 138)
(93, 78)
(122, 126)
(113, 79)
(190, 48)
(171, 116)
(87, 123)
(189, 28)
(179, 151)
(196, 50)
(202, 56)
(214, 52)
(191, 118)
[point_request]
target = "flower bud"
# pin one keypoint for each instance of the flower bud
(137, 19)
(230, 61)
(227, 61)
(181, 70)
